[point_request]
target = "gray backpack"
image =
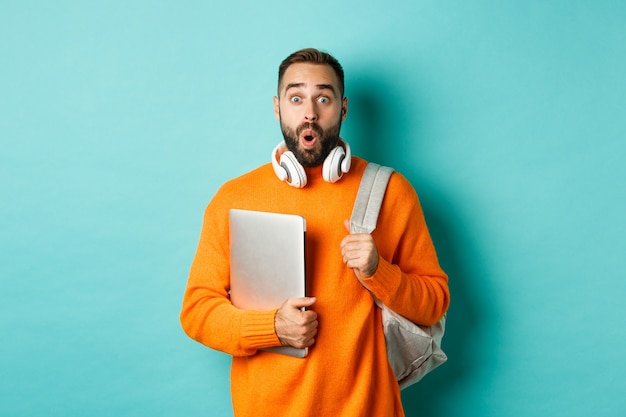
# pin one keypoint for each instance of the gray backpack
(412, 350)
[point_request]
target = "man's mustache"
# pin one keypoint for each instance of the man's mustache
(312, 126)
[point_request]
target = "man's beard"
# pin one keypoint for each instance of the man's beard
(328, 140)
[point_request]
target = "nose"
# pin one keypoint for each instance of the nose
(310, 113)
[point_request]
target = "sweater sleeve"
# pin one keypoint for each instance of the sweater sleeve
(409, 279)
(207, 314)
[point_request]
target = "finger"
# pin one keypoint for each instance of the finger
(310, 317)
(305, 343)
(299, 302)
(309, 339)
(356, 239)
(350, 243)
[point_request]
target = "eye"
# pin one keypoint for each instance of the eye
(323, 100)
(295, 99)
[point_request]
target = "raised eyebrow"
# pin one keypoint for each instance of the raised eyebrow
(327, 87)
(293, 85)
(319, 86)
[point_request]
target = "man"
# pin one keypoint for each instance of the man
(312, 174)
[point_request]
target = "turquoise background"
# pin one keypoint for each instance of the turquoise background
(119, 120)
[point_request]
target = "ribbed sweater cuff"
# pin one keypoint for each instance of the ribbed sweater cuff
(258, 329)
(384, 281)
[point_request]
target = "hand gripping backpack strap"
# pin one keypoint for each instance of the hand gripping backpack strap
(412, 350)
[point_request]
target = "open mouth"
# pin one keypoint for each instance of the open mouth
(308, 137)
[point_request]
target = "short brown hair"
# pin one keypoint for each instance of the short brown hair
(312, 56)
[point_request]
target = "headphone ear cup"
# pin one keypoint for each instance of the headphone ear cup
(280, 172)
(332, 168)
(347, 160)
(296, 177)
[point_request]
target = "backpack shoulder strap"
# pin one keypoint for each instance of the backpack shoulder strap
(369, 198)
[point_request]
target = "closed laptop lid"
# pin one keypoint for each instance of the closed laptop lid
(267, 261)
(267, 258)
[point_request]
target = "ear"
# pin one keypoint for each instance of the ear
(344, 109)
(276, 108)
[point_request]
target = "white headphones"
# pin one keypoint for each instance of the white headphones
(287, 167)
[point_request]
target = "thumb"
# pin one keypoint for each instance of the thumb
(346, 224)
(300, 302)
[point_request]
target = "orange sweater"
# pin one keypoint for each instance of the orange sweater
(346, 372)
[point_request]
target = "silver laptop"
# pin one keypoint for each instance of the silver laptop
(267, 262)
